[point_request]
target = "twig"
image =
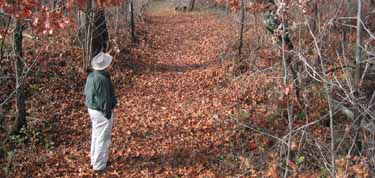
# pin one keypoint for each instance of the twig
(23, 77)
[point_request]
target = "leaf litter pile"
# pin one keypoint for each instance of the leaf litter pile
(177, 101)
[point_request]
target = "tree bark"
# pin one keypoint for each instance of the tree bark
(242, 26)
(257, 29)
(100, 34)
(53, 3)
(357, 76)
(192, 5)
(117, 19)
(87, 35)
(132, 22)
(227, 7)
(1, 122)
(314, 17)
(358, 57)
(20, 121)
(3, 41)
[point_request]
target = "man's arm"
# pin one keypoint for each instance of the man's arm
(106, 97)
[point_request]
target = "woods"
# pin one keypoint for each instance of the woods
(218, 88)
(317, 30)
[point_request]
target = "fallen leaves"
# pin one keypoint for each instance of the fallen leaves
(164, 125)
(175, 101)
(272, 171)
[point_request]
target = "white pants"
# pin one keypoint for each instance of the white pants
(100, 139)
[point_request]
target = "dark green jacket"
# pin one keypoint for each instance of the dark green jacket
(100, 93)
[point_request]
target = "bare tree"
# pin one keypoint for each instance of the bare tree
(20, 121)
(227, 7)
(100, 34)
(132, 21)
(192, 5)
(242, 15)
(3, 40)
(358, 72)
(86, 37)
(314, 18)
(358, 59)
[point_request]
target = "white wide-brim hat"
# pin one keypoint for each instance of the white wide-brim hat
(101, 61)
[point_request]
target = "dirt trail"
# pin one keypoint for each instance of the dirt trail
(165, 123)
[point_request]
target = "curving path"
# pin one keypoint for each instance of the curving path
(166, 123)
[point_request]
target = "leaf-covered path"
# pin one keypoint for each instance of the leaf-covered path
(170, 121)
(165, 125)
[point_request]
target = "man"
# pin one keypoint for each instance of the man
(100, 100)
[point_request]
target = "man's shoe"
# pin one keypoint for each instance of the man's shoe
(96, 173)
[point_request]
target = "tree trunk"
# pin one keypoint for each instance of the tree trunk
(117, 19)
(20, 121)
(53, 4)
(132, 22)
(314, 17)
(100, 34)
(192, 5)
(257, 29)
(357, 77)
(242, 26)
(1, 122)
(358, 57)
(87, 35)
(227, 7)
(3, 41)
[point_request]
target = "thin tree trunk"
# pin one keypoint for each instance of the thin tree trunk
(3, 41)
(124, 8)
(289, 104)
(257, 29)
(358, 57)
(132, 22)
(100, 34)
(327, 83)
(227, 7)
(125, 12)
(192, 5)
(313, 19)
(242, 26)
(117, 19)
(87, 36)
(53, 3)
(1, 123)
(20, 121)
(357, 75)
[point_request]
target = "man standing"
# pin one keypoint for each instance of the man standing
(100, 100)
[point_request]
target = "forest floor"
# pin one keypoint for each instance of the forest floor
(175, 103)
(165, 124)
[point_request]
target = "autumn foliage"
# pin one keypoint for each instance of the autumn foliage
(190, 106)
(44, 19)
